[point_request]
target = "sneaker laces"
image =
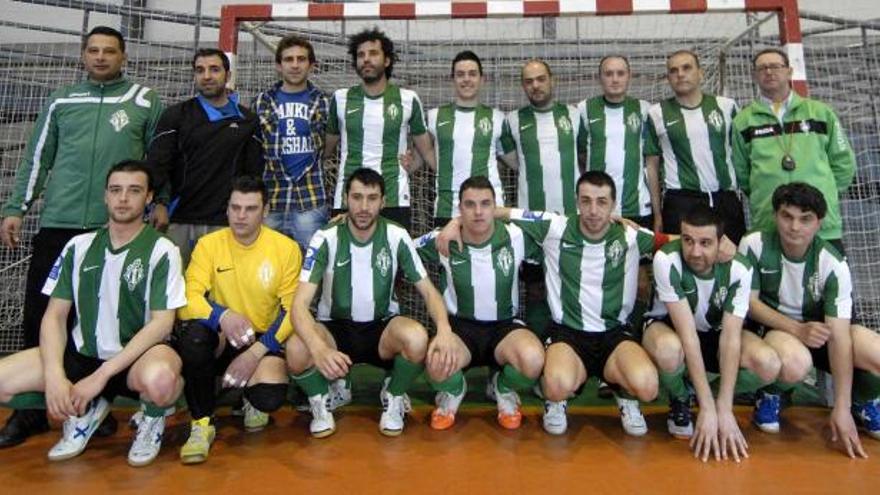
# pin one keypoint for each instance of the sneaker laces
(508, 402)
(553, 408)
(146, 428)
(630, 411)
(396, 405)
(680, 412)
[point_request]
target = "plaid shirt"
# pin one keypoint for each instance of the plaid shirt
(305, 192)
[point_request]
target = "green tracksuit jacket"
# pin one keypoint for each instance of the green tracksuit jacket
(83, 130)
(816, 142)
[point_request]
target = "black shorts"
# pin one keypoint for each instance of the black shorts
(360, 340)
(677, 202)
(531, 273)
(594, 348)
(397, 214)
(821, 360)
(78, 366)
(709, 343)
(482, 337)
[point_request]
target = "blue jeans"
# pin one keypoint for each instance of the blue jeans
(299, 225)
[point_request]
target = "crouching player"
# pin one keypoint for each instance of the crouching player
(696, 326)
(480, 285)
(124, 283)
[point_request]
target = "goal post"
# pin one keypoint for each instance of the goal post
(786, 10)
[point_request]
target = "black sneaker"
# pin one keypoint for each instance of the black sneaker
(679, 422)
(22, 424)
(108, 427)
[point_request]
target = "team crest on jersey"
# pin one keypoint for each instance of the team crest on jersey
(119, 120)
(505, 261)
(814, 287)
(485, 126)
(614, 253)
(805, 126)
(564, 124)
(716, 120)
(383, 262)
(392, 112)
(633, 122)
(720, 297)
(266, 273)
(133, 274)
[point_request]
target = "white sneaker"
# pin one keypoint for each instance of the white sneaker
(134, 422)
(78, 430)
(555, 418)
(407, 404)
(340, 395)
(254, 419)
(147, 442)
(322, 424)
(631, 416)
(391, 422)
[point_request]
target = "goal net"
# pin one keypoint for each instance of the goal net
(571, 36)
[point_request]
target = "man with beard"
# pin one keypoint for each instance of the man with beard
(370, 123)
(201, 144)
(354, 261)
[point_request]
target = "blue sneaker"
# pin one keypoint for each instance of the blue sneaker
(766, 416)
(867, 415)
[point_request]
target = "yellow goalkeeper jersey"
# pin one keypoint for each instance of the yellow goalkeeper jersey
(256, 281)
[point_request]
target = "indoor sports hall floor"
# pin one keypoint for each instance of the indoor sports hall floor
(475, 457)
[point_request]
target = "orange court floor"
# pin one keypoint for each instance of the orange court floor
(476, 456)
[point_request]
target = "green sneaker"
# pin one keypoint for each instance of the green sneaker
(254, 419)
(196, 448)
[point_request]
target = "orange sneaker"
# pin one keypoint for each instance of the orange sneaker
(443, 416)
(509, 415)
(441, 420)
(510, 421)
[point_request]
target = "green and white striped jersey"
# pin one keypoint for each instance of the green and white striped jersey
(482, 282)
(357, 279)
(114, 290)
(467, 142)
(695, 143)
(613, 137)
(725, 290)
(591, 285)
(808, 289)
(373, 133)
(546, 147)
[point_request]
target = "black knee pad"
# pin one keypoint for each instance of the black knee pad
(266, 397)
(195, 343)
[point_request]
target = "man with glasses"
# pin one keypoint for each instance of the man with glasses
(783, 137)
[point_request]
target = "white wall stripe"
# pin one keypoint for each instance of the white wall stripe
(298, 10)
(504, 8)
(433, 9)
(726, 5)
(572, 7)
(361, 10)
(644, 6)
